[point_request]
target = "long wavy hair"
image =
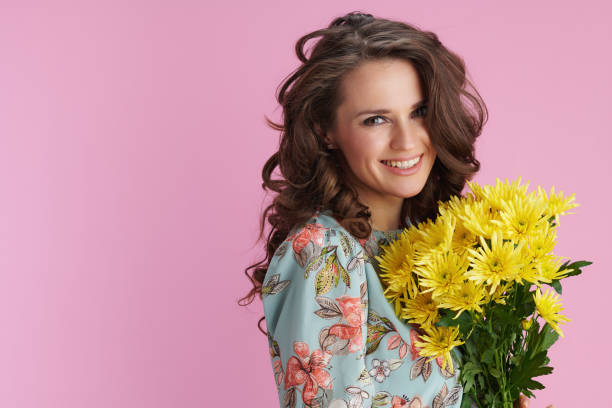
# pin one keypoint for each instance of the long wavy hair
(314, 177)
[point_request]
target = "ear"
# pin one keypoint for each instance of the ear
(318, 130)
(323, 135)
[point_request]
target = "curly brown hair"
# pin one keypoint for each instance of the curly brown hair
(314, 177)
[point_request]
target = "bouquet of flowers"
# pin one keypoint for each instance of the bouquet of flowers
(472, 283)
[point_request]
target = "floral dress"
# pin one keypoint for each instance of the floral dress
(334, 339)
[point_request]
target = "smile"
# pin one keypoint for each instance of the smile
(402, 164)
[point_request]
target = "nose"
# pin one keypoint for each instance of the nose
(405, 135)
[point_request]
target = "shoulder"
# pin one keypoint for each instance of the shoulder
(319, 235)
(322, 251)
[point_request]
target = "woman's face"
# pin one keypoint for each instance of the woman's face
(381, 120)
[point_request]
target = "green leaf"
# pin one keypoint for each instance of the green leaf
(446, 318)
(574, 272)
(481, 381)
(487, 356)
(515, 393)
(468, 384)
(470, 347)
(527, 308)
(556, 285)
(534, 366)
(465, 402)
(532, 336)
(490, 398)
(575, 266)
(534, 385)
(540, 341)
(471, 368)
(528, 393)
(579, 264)
(504, 315)
(446, 321)
(512, 337)
(464, 321)
(494, 372)
(548, 337)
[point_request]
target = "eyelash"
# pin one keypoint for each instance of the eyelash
(420, 109)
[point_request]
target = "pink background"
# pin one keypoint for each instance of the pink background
(131, 145)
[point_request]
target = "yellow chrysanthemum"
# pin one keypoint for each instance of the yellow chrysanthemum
(468, 296)
(557, 204)
(495, 196)
(501, 262)
(528, 270)
(442, 273)
(521, 216)
(537, 256)
(462, 237)
(421, 310)
(549, 306)
(435, 236)
(477, 192)
(396, 265)
(476, 218)
(412, 233)
(548, 268)
(438, 342)
(445, 206)
(399, 288)
(542, 241)
(454, 204)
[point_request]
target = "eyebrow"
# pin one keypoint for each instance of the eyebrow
(379, 111)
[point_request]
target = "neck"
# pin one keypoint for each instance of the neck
(386, 211)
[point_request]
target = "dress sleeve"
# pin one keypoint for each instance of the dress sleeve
(315, 304)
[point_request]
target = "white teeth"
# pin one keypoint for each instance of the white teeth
(402, 164)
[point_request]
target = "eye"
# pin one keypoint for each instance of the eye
(421, 111)
(367, 121)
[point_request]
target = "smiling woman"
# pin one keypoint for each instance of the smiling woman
(379, 124)
(391, 159)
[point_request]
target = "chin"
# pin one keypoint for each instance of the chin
(414, 189)
(406, 193)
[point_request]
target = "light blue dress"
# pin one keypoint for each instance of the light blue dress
(334, 339)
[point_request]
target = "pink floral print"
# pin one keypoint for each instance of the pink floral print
(354, 316)
(308, 369)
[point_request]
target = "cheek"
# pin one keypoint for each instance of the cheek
(360, 149)
(427, 143)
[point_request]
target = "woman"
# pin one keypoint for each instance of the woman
(379, 124)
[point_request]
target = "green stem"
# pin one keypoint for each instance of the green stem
(505, 392)
(474, 398)
(486, 376)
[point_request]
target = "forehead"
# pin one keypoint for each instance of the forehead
(388, 83)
